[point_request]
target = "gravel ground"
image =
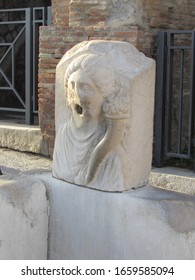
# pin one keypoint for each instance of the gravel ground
(15, 162)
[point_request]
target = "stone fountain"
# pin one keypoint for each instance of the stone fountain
(97, 202)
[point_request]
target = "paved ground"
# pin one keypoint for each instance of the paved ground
(15, 162)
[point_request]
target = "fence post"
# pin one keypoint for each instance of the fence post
(159, 125)
(192, 102)
(28, 67)
(49, 16)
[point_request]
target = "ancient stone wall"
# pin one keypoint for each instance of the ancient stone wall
(133, 21)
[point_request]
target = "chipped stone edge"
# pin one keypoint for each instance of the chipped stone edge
(173, 179)
(11, 136)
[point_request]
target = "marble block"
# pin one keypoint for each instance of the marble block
(141, 224)
(104, 116)
(24, 218)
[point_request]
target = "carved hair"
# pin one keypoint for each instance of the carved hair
(109, 81)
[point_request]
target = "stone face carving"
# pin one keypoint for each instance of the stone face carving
(104, 116)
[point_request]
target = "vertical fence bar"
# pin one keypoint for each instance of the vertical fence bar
(34, 60)
(180, 115)
(159, 126)
(192, 101)
(169, 89)
(28, 67)
(13, 65)
(49, 16)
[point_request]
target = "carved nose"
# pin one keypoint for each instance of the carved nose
(78, 109)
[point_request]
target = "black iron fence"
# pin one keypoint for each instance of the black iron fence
(19, 41)
(175, 102)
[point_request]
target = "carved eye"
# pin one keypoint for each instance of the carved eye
(78, 109)
(85, 88)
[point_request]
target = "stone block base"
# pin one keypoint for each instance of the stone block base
(22, 138)
(146, 223)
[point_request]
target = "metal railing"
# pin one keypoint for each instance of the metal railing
(21, 44)
(175, 90)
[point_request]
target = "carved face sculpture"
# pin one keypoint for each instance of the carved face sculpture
(98, 132)
(95, 127)
(84, 100)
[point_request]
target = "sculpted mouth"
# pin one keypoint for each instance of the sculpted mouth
(78, 109)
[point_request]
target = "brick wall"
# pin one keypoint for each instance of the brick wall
(166, 14)
(134, 21)
(88, 13)
(60, 12)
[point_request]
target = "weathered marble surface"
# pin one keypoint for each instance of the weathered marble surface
(104, 116)
(24, 218)
(146, 223)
